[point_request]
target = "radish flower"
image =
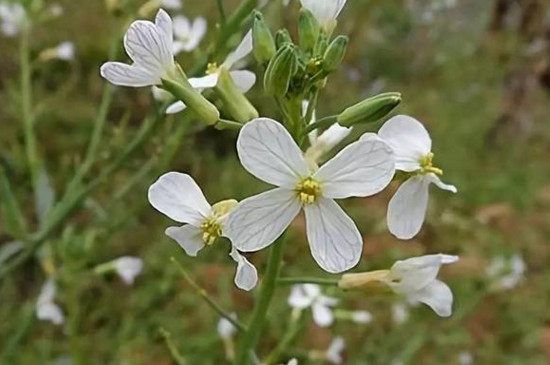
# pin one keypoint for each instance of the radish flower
(12, 18)
(150, 46)
(325, 11)
(188, 34)
(267, 151)
(304, 296)
(412, 145)
(128, 268)
(46, 308)
(178, 196)
(334, 352)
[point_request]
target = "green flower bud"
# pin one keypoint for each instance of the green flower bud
(236, 103)
(264, 44)
(308, 30)
(280, 71)
(335, 53)
(182, 90)
(282, 37)
(370, 110)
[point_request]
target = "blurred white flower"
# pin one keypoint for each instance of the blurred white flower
(13, 18)
(292, 362)
(506, 273)
(267, 151)
(65, 51)
(226, 329)
(128, 268)
(56, 10)
(334, 352)
(150, 46)
(188, 34)
(361, 317)
(400, 313)
(325, 11)
(412, 145)
(46, 308)
(171, 4)
(286, 2)
(178, 196)
(304, 296)
(465, 358)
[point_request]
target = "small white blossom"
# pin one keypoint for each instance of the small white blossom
(226, 329)
(362, 317)
(416, 280)
(65, 51)
(412, 145)
(150, 46)
(46, 308)
(292, 362)
(325, 11)
(178, 196)
(334, 352)
(188, 34)
(171, 4)
(400, 313)
(128, 268)
(304, 296)
(12, 18)
(505, 273)
(267, 151)
(465, 358)
(56, 10)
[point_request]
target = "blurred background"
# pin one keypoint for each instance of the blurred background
(476, 73)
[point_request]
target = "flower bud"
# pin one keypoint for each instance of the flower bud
(308, 30)
(282, 37)
(280, 71)
(335, 53)
(236, 103)
(366, 280)
(264, 44)
(182, 90)
(370, 110)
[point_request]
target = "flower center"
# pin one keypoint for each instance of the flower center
(426, 165)
(211, 229)
(212, 68)
(308, 190)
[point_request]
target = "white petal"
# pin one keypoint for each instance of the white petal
(438, 296)
(128, 268)
(47, 292)
(50, 312)
(242, 50)
(334, 352)
(267, 151)
(198, 30)
(322, 315)
(334, 239)
(164, 23)
(179, 197)
(293, 362)
(409, 140)
(362, 317)
(303, 295)
(182, 27)
(407, 208)
(205, 82)
(246, 276)
(122, 74)
(361, 169)
(259, 220)
(188, 237)
(147, 46)
(226, 329)
(176, 107)
(417, 272)
(243, 79)
(434, 179)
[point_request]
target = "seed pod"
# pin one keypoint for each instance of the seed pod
(264, 44)
(370, 110)
(335, 53)
(282, 37)
(308, 30)
(280, 71)
(236, 103)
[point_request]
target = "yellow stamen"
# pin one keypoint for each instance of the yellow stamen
(308, 190)
(426, 165)
(212, 68)
(211, 230)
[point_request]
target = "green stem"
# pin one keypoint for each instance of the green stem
(221, 10)
(204, 295)
(176, 354)
(307, 280)
(250, 339)
(322, 123)
(296, 324)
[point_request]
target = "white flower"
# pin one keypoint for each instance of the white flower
(128, 268)
(267, 151)
(177, 196)
(65, 51)
(334, 352)
(292, 362)
(400, 313)
(416, 280)
(150, 46)
(171, 4)
(226, 329)
(361, 317)
(506, 274)
(243, 79)
(13, 18)
(330, 138)
(56, 10)
(46, 309)
(412, 147)
(465, 358)
(304, 296)
(188, 35)
(325, 11)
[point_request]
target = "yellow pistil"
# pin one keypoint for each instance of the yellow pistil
(211, 229)
(308, 190)
(212, 68)
(426, 165)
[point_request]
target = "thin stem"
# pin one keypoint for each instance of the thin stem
(250, 339)
(293, 329)
(321, 123)
(176, 355)
(221, 10)
(307, 280)
(19, 335)
(204, 295)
